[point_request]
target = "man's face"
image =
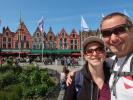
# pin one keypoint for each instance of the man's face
(118, 36)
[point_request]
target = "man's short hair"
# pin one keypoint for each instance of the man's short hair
(128, 20)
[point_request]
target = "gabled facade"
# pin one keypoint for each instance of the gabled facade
(63, 40)
(22, 38)
(85, 34)
(7, 38)
(38, 39)
(50, 40)
(74, 40)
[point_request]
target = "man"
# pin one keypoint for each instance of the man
(117, 31)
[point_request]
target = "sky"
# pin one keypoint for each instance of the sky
(59, 14)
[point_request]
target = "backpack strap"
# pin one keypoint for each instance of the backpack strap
(131, 67)
(78, 82)
(126, 73)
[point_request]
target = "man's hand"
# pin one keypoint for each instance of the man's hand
(69, 77)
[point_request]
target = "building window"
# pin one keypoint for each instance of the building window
(65, 40)
(75, 42)
(61, 43)
(34, 46)
(46, 45)
(38, 46)
(75, 47)
(71, 47)
(54, 45)
(9, 45)
(37, 34)
(4, 45)
(65, 45)
(35, 40)
(50, 38)
(71, 41)
(63, 34)
(73, 35)
(27, 45)
(4, 39)
(9, 39)
(7, 34)
(24, 38)
(19, 37)
(22, 44)
(40, 40)
(16, 45)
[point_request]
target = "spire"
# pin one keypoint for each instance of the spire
(20, 17)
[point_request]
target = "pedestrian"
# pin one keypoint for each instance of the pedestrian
(91, 82)
(63, 76)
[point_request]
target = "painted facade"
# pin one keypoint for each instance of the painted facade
(7, 38)
(63, 40)
(38, 39)
(50, 43)
(22, 38)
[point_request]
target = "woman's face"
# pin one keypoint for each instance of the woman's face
(94, 54)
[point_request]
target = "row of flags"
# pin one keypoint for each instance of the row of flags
(84, 26)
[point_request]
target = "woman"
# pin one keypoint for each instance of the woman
(91, 82)
(63, 78)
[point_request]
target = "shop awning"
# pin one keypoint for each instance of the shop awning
(54, 51)
(13, 51)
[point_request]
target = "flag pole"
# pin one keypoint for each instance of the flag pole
(40, 25)
(84, 27)
(81, 41)
(42, 50)
(82, 48)
(19, 35)
(19, 43)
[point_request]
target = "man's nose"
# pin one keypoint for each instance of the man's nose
(114, 38)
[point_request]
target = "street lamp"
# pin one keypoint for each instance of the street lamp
(0, 58)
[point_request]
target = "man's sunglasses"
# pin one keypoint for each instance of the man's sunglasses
(98, 50)
(115, 30)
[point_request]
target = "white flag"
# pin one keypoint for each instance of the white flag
(41, 24)
(84, 26)
(102, 15)
(125, 12)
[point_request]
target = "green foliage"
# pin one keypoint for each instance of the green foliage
(12, 92)
(10, 61)
(7, 78)
(6, 67)
(35, 77)
(16, 83)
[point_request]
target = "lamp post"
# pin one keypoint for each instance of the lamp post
(19, 40)
(82, 61)
(42, 50)
(0, 58)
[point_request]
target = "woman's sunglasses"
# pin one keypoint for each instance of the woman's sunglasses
(120, 29)
(98, 50)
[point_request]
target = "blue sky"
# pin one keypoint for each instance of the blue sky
(59, 13)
